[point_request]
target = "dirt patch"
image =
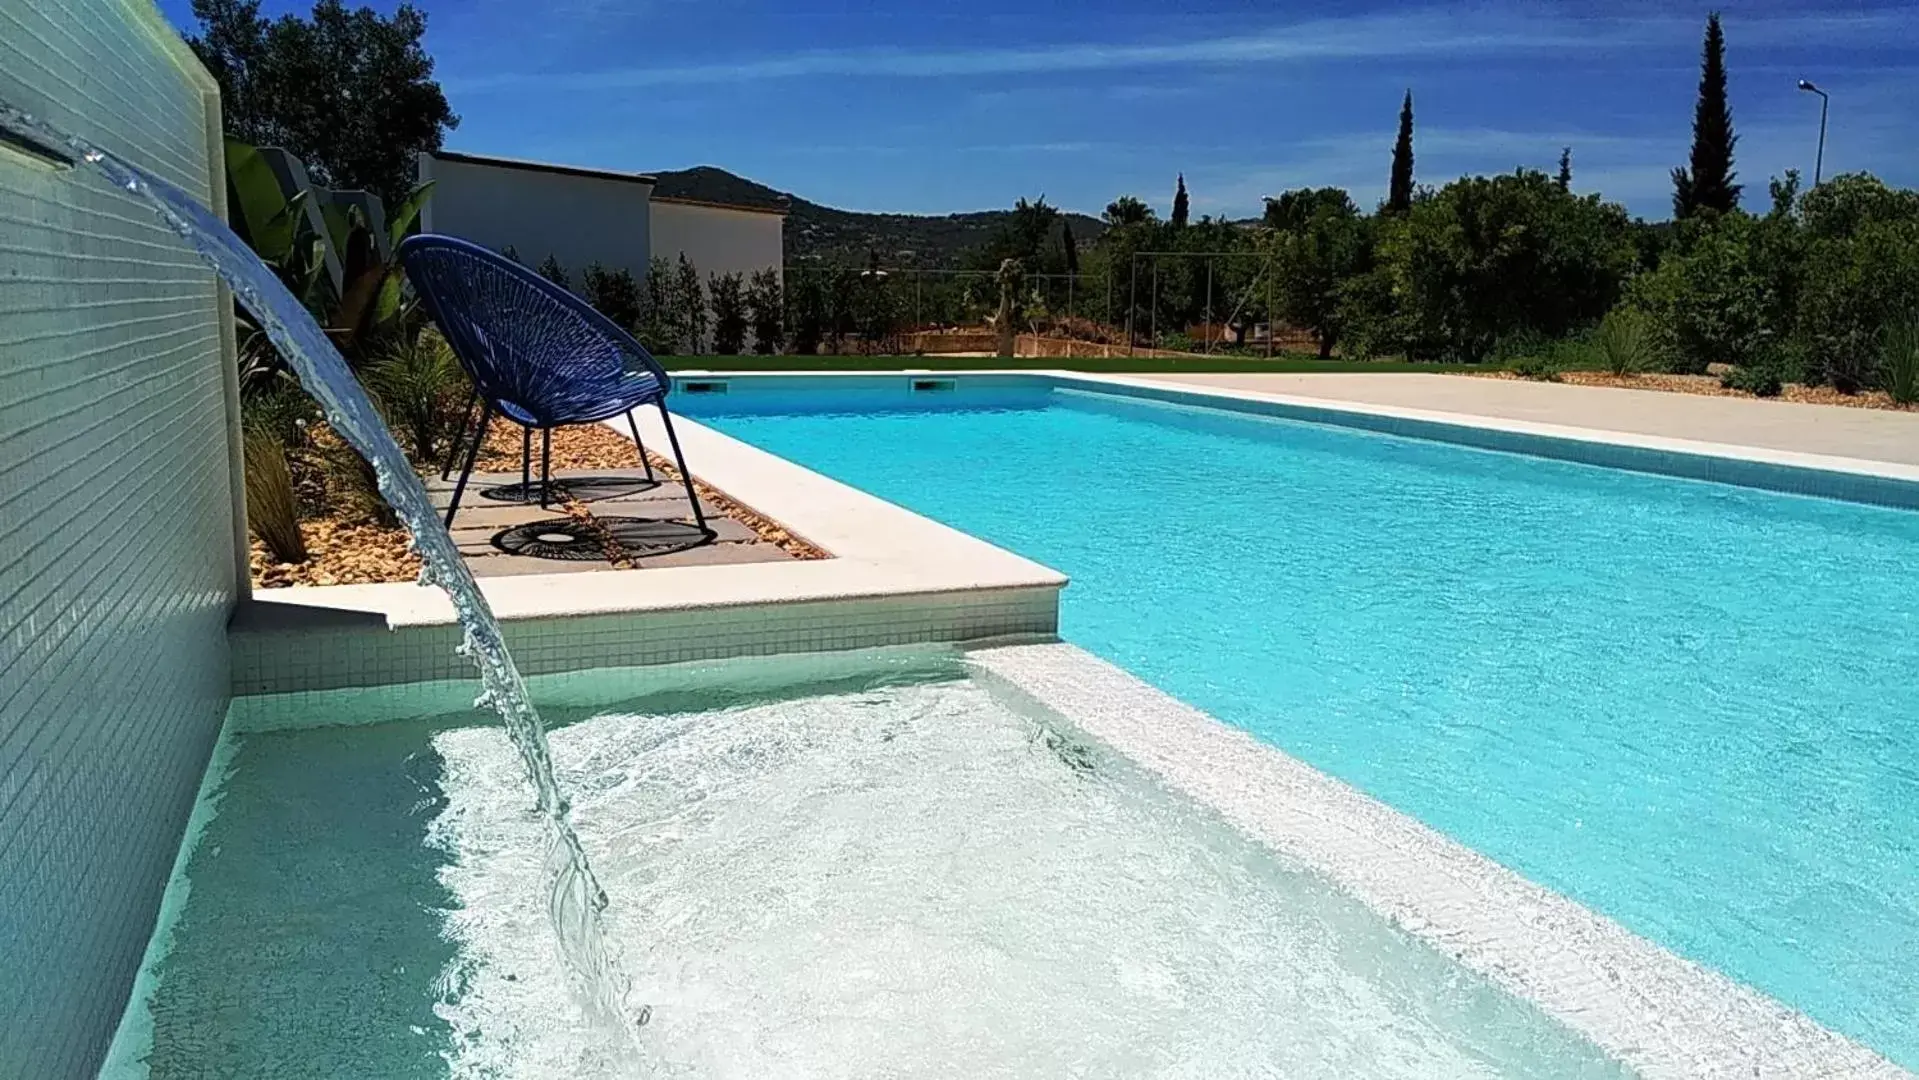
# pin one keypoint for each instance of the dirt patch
(1708, 385)
(339, 553)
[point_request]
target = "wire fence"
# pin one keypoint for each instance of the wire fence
(1185, 301)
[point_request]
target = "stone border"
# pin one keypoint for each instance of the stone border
(895, 578)
(1660, 1014)
(1880, 483)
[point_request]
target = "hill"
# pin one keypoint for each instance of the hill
(828, 235)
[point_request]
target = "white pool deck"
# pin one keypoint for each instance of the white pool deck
(1872, 435)
(897, 578)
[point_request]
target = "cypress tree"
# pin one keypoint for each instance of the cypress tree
(1068, 246)
(1399, 196)
(1707, 185)
(1565, 179)
(1179, 203)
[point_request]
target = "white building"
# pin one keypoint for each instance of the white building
(582, 216)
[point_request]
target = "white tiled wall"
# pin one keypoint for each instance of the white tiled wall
(116, 525)
(368, 654)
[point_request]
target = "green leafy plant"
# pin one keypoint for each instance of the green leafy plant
(1623, 341)
(1762, 379)
(1536, 368)
(729, 313)
(1854, 285)
(689, 302)
(272, 508)
(281, 409)
(352, 485)
(613, 293)
(1710, 300)
(422, 387)
(766, 308)
(1899, 358)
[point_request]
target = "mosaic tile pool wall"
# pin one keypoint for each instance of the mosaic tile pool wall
(116, 522)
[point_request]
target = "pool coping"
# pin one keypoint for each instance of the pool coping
(1656, 1012)
(1831, 476)
(894, 578)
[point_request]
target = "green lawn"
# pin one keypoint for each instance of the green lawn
(1105, 365)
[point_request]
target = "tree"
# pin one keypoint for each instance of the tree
(1026, 234)
(1128, 210)
(613, 293)
(766, 310)
(1069, 248)
(552, 271)
(689, 305)
(807, 300)
(1707, 185)
(350, 92)
(1180, 207)
(659, 319)
(1565, 178)
(1709, 300)
(1399, 194)
(1484, 258)
(729, 312)
(1319, 243)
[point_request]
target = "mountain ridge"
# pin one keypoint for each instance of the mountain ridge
(825, 234)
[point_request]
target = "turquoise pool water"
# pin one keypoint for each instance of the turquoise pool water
(856, 865)
(1689, 706)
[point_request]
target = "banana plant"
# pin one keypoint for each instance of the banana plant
(331, 249)
(372, 300)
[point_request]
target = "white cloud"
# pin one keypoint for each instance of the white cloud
(1409, 34)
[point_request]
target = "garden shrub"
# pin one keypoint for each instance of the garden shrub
(424, 391)
(1623, 342)
(1899, 358)
(272, 508)
(1854, 286)
(1537, 368)
(1708, 301)
(1761, 379)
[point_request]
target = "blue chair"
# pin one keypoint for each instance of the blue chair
(537, 354)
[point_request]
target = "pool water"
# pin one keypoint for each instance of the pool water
(892, 873)
(1691, 707)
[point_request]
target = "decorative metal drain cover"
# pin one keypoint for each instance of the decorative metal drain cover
(573, 541)
(560, 538)
(583, 488)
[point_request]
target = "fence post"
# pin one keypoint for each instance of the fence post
(1209, 305)
(1272, 315)
(1132, 298)
(1155, 315)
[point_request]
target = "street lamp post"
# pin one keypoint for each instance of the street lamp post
(1825, 102)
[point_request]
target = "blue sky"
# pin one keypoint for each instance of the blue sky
(938, 108)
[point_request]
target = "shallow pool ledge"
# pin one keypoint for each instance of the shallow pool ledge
(895, 578)
(1660, 1014)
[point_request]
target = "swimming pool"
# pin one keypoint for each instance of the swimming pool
(860, 864)
(1685, 705)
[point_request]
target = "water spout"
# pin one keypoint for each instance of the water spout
(577, 900)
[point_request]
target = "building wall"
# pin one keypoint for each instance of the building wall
(575, 218)
(718, 240)
(117, 556)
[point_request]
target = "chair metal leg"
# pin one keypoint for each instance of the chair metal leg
(526, 463)
(546, 464)
(459, 435)
(640, 446)
(472, 455)
(686, 474)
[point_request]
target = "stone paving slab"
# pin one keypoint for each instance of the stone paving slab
(1836, 430)
(480, 519)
